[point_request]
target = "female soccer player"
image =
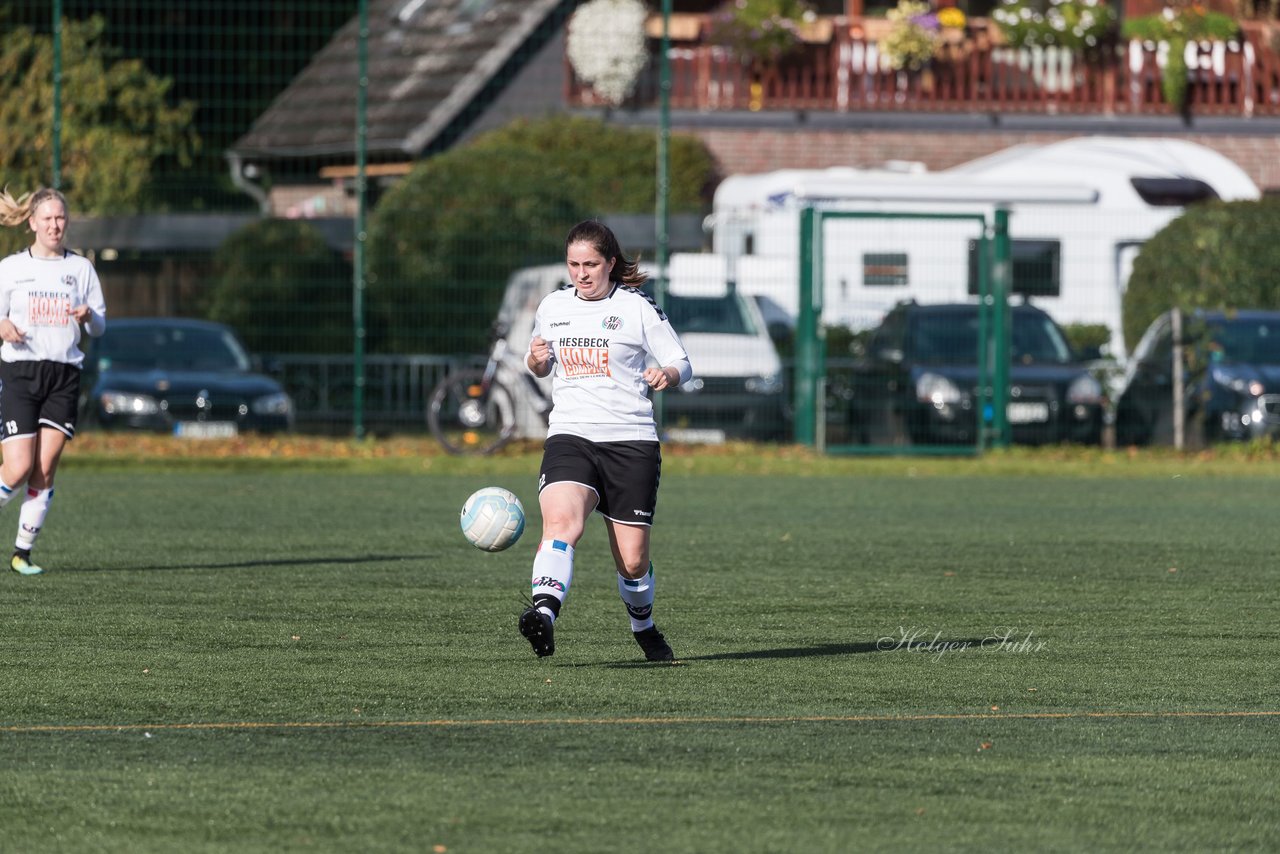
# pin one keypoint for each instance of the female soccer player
(48, 298)
(598, 338)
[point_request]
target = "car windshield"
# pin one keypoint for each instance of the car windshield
(1254, 341)
(170, 348)
(723, 315)
(951, 338)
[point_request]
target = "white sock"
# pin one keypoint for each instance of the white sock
(7, 493)
(552, 574)
(637, 595)
(31, 517)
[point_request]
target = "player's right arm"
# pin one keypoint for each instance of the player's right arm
(9, 330)
(539, 357)
(538, 360)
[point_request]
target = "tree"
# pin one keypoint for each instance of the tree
(1216, 255)
(443, 242)
(116, 122)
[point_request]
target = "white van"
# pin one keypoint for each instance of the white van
(737, 390)
(1080, 211)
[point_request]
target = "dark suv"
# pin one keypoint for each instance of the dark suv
(1231, 379)
(917, 380)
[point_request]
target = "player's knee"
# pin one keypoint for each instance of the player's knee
(15, 473)
(566, 529)
(634, 566)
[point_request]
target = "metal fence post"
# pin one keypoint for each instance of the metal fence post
(56, 143)
(663, 182)
(809, 356)
(1002, 273)
(1178, 380)
(358, 256)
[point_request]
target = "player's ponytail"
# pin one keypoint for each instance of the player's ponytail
(17, 211)
(604, 241)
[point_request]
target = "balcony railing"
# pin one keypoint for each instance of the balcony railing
(848, 74)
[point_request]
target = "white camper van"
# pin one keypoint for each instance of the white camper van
(737, 390)
(1080, 212)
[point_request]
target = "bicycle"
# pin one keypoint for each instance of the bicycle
(475, 411)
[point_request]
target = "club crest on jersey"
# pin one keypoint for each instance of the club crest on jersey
(613, 323)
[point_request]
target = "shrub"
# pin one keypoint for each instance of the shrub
(1216, 255)
(283, 289)
(1084, 336)
(443, 242)
(610, 166)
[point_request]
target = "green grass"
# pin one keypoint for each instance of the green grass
(289, 658)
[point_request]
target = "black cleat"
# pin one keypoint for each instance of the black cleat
(538, 630)
(655, 646)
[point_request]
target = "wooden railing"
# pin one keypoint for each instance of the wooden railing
(1239, 78)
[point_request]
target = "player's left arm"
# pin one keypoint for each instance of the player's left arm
(664, 345)
(92, 313)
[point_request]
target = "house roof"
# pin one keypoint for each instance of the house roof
(432, 66)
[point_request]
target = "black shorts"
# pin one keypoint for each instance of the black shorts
(38, 394)
(623, 475)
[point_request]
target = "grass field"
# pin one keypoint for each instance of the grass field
(1023, 653)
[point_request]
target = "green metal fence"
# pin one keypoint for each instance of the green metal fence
(863, 402)
(273, 166)
(241, 162)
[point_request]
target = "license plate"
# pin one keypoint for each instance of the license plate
(206, 429)
(1028, 413)
(695, 436)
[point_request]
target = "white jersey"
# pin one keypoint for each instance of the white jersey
(599, 351)
(37, 294)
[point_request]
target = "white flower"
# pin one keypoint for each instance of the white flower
(606, 46)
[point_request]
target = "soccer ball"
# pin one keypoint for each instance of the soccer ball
(492, 519)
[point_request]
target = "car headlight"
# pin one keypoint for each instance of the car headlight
(767, 384)
(124, 403)
(1244, 385)
(1084, 389)
(277, 403)
(937, 389)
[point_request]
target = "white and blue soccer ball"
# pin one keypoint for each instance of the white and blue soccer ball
(492, 519)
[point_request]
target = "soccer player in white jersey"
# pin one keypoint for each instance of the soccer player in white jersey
(49, 298)
(607, 346)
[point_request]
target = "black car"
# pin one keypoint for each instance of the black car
(1231, 379)
(187, 377)
(917, 380)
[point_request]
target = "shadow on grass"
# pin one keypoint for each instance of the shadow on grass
(249, 564)
(819, 650)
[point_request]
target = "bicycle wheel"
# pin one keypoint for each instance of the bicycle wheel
(466, 417)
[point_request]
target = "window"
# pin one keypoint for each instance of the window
(884, 269)
(1172, 192)
(1037, 267)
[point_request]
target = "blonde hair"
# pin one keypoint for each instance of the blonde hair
(17, 211)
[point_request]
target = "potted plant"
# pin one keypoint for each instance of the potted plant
(760, 32)
(912, 37)
(1080, 26)
(1177, 28)
(606, 46)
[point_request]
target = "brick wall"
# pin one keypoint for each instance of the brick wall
(763, 150)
